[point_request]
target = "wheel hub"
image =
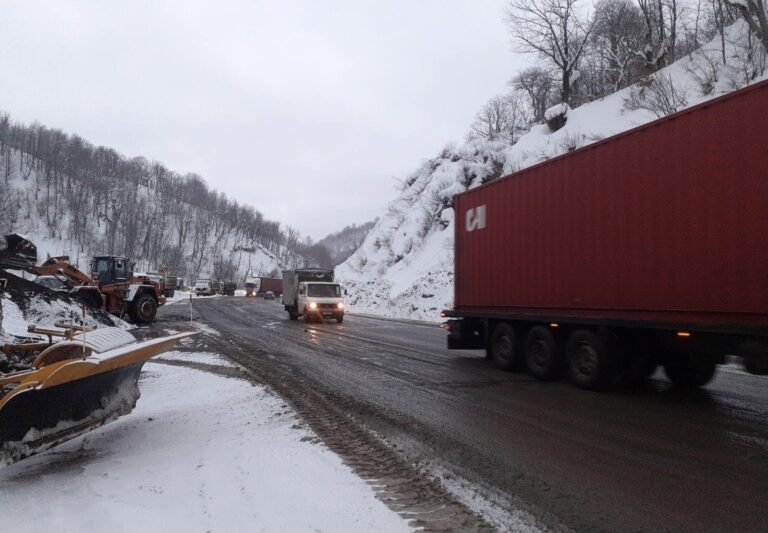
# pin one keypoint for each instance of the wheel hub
(586, 360)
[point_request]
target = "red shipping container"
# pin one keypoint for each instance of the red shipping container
(664, 224)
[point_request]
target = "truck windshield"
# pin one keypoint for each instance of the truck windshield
(323, 291)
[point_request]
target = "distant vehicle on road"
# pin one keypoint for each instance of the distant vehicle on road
(252, 286)
(312, 293)
(203, 287)
(269, 295)
(612, 260)
(171, 285)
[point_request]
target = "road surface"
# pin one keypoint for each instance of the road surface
(648, 459)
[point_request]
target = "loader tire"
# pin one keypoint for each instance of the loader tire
(142, 309)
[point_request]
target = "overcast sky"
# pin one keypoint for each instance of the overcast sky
(306, 109)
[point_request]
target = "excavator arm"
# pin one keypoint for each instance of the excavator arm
(60, 267)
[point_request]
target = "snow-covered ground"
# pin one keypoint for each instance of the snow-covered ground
(404, 268)
(199, 453)
(43, 313)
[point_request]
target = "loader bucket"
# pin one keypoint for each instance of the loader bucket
(74, 387)
(17, 252)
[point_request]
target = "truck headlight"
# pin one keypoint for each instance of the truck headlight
(312, 305)
(340, 305)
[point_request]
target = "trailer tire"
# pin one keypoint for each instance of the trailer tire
(143, 308)
(504, 347)
(590, 361)
(542, 355)
(689, 371)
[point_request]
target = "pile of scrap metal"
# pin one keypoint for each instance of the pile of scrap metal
(51, 392)
(111, 285)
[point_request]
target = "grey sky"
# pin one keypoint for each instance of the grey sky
(305, 109)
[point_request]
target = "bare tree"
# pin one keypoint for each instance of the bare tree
(617, 41)
(755, 14)
(660, 96)
(536, 83)
(499, 119)
(554, 30)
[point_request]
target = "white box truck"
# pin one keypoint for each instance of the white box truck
(312, 293)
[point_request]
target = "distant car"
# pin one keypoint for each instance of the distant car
(52, 282)
(269, 295)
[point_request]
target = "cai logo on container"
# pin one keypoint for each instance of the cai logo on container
(475, 218)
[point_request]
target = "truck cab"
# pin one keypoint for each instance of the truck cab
(203, 287)
(320, 300)
(252, 286)
(312, 293)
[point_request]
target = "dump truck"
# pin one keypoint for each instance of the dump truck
(228, 288)
(171, 283)
(646, 249)
(312, 293)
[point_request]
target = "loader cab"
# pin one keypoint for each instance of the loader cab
(109, 269)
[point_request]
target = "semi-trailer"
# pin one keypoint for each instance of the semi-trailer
(258, 286)
(271, 284)
(644, 249)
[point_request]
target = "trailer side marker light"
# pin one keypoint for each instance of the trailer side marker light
(683, 334)
(554, 325)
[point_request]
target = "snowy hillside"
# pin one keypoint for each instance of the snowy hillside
(404, 268)
(72, 198)
(342, 244)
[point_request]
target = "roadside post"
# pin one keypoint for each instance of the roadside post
(3, 283)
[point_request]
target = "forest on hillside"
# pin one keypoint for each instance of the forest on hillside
(60, 188)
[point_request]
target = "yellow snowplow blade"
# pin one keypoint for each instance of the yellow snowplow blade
(75, 386)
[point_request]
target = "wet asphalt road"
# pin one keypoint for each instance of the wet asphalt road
(650, 459)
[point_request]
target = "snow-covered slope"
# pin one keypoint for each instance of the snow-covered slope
(342, 244)
(24, 303)
(404, 268)
(193, 240)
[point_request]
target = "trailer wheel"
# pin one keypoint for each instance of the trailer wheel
(142, 309)
(689, 371)
(504, 347)
(542, 355)
(590, 362)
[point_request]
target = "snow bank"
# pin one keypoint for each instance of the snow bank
(45, 313)
(199, 453)
(404, 268)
